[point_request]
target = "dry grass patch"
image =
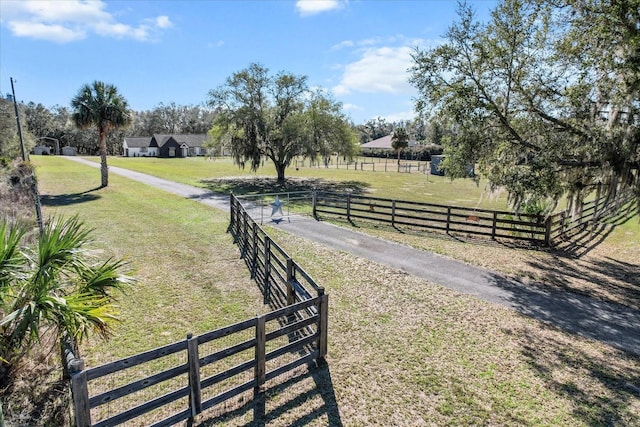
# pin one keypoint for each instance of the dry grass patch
(405, 352)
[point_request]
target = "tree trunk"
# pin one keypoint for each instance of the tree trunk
(398, 157)
(104, 170)
(280, 167)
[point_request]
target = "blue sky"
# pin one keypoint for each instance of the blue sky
(176, 51)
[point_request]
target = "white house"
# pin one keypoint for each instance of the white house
(138, 147)
(165, 146)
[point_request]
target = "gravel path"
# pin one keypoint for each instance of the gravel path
(611, 323)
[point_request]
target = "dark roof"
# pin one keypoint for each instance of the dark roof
(384, 143)
(137, 141)
(191, 140)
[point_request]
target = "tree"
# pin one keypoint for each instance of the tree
(55, 288)
(9, 141)
(100, 105)
(40, 121)
(271, 116)
(544, 97)
(399, 140)
(329, 131)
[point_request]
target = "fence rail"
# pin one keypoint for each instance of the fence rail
(371, 164)
(471, 221)
(219, 365)
(450, 219)
(565, 223)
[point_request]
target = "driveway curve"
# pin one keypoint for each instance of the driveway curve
(610, 323)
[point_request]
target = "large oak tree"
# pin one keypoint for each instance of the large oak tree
(545, 97)
(276, 117)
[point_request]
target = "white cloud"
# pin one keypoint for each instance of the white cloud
(400, 116)
(56, 33)
(64, 21)
(343, 44)
(382, 69)
(163, 22)
(352, 107)
(219, 43)
(313, 7)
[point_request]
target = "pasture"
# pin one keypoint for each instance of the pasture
(402, 351)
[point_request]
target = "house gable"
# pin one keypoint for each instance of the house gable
(165, 145)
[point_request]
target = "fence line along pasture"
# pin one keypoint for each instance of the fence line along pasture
(176, 382)
(371, 165)
(566, 223)
(450, 219)
(537, 229)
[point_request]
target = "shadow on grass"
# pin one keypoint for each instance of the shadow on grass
(605, 275)
(603, 387)
(257, 185)
(69, 199)
(584, 239)
(304, 399)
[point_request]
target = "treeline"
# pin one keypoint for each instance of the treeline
(44, 126)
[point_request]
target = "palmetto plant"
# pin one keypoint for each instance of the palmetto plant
(57, 286)
(100, 105)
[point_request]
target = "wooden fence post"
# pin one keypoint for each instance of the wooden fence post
(393, 213)
(290, 278)
(448, 218)
(193, 360)
(80, 393)
(244, 234)
(547, 230)
(493, 226)
(314, 202)
(231, 216)
(254, 249)
(323, 311)
(261, 341)
(348, 206)
(267, 268)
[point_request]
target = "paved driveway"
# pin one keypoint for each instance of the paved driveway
(611, 323)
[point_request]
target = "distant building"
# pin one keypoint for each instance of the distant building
(165, 146)
(41, 150)
(69, 151)
(383, 144)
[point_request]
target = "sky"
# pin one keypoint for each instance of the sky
(177, 51)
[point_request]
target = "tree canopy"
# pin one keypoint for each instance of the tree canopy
(276, 117)
(100, 105)
(545, 97)
(399, 140)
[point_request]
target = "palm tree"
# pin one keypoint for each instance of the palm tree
(55, 288)
(100, 105)
(399, 141)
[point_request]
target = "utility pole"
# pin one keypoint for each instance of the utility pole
(34, 185)
(15, 106)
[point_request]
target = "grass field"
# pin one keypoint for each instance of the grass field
(402, 351)
(218, 175)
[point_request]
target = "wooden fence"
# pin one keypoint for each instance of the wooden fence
(565, 223)
(369, 164)
(212, 368)
(470, 221)
(450, 219)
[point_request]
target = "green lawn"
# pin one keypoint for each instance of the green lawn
(202, 172)
(402, 351)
